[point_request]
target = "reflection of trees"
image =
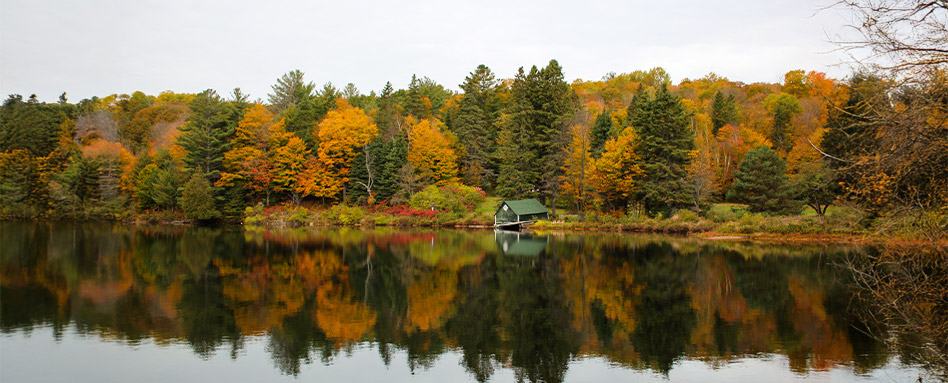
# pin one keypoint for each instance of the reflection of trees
(642, 302)
(207, 319)
(662, 336)
(535, 319)
(903, 299)
(475, 327)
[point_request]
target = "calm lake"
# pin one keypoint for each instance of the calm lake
(108, 302)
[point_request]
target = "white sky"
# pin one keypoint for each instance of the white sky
(99, 47)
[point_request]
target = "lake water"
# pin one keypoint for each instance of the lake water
(106, 302)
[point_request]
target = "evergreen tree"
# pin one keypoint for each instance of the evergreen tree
(364, 172)
(849, 131)
(762, 183)
(301, 118)
(541, 103)
(723, 111)
(197, 200)
(474, 125)
(238, 105)
(394, 157)
(602, 131)
(157, 181)
(289, 90)
(385, 116)
(87, 181)
(31, 125)
(412, 102)
(665, 143)
(817, 187)
(638, 100)
(783, 106)
(206, 135)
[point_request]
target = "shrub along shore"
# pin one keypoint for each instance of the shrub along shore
(463, 207)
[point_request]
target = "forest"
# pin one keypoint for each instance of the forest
(628, 144)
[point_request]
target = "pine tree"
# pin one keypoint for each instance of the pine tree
(413, 103)
(474, 125)
(602, 131)
(723, 111)
(197, 200)
(206, 136)
(385, 116)
(394, 157)
(535, 133)
(635, 106)
(783, 106)
(665, 144)
(762, 183)
(289, 90)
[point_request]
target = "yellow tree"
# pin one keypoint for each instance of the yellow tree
(578, 165)
(249, 162)
(429, 151)
(339, 134)
(616, 172)
(288, 163)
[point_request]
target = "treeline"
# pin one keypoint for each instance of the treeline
(631, 143)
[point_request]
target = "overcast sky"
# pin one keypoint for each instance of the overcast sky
(95, 48)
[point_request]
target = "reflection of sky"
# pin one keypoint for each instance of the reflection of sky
(77, 358)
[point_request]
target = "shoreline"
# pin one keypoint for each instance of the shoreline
(710, 235)
(698, 230)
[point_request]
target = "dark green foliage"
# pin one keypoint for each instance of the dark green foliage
(289, 90)
(638, 100)
(395, 154)
(475, 126)
(424, 98)
(157, 181)
(817, 187)
(783, 106)
(300, 119)
(197, 200)
(238, 105)
(850, 132)
(30, 125)
(665, 142)
(385, 115)
(300, 104)
(16, 171)
(302, 116)
(531, 152)
(761, 183)
(206, 136)
(602, 131)
(206, 319)
(513, 179)
(233, 202)
(663, 336)
(723, 111)
(81, 179)
(367, 161)
(387, 158)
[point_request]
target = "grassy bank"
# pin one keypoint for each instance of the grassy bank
(841, 223)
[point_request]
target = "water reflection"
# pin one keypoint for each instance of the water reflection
(531, 304)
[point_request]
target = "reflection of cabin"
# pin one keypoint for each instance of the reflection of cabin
(515, 214)
(517, 243)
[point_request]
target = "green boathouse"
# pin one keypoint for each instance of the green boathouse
(514, 214)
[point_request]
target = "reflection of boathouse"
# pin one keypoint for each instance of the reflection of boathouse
(518, 243)
(516, 214)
